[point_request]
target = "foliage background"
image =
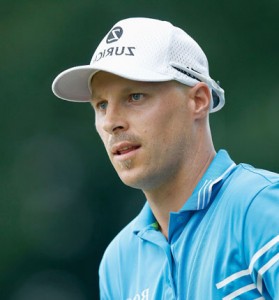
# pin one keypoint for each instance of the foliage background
(61, 202)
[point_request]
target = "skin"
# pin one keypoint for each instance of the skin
(157, 137)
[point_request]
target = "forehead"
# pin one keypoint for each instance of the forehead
(104, 81)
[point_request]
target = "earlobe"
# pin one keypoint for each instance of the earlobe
(202, 99)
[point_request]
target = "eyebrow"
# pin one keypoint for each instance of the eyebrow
(125, 90)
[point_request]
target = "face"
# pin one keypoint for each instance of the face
(148, 129)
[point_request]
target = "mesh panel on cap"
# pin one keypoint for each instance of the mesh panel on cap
(187, 53)
(151, 44)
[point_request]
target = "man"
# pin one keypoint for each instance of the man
(209, 228)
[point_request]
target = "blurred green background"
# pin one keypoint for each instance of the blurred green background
(61, 201)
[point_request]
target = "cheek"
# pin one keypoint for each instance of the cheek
(169, 123)
(173, 133)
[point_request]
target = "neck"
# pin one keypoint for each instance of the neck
(172, 195)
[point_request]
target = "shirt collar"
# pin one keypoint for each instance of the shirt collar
(218, 171)
(145, 220)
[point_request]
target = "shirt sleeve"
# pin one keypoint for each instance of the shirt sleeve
(110, 272)
(261, 241)
(108, 279)
(103, 288)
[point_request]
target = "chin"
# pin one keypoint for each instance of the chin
(132, 176)
(137, 182)
(131, 179)
(131, 182)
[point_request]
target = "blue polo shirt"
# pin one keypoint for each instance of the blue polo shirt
(223, 243)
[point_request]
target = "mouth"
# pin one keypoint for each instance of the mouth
(124, 149)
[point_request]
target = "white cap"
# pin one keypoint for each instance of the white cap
(142, 49)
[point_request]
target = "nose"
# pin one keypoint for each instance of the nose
(114, 120)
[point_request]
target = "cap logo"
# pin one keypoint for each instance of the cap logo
(114, 35)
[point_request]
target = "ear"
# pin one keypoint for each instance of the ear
(201, 96)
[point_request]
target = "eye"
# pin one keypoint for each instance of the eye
(136, 96)
(102, 105)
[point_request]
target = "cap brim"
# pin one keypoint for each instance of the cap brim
(73, 84)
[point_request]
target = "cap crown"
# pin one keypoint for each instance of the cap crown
(153, 45)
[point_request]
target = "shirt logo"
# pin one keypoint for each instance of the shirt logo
(114, 35)
(144, 295)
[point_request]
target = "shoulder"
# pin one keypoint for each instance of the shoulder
(265, 175)
(123, 239)
(119, 249)
(261, 230)
(260, 178)
(262, 212)
(118, 254)
(247, 183)
(249, 204)
(253, 193)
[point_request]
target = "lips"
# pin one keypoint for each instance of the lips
(123, 148)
